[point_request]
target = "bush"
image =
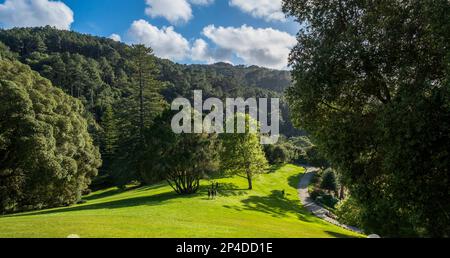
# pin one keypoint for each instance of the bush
(324, 199)
(349, 212)
(329, 181)
(316, 194)
(328, 201)
(283, 152)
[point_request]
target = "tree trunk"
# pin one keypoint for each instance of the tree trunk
(342, 193)
(250, 181)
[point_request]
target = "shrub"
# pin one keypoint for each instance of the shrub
(329, 181)
(349, 212)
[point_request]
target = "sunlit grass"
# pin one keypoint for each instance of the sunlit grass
(157, 211)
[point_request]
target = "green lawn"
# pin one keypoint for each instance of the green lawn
(158, 212)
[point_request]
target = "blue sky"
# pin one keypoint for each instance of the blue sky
(251, 32)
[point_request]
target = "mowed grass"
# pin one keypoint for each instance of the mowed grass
(157, 211)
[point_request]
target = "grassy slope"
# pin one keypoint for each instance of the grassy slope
(157, 212)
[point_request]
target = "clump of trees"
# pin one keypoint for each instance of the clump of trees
(277, 154)
(47, 157)
(372, 87)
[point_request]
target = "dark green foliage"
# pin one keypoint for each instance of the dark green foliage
(47, 157)
(303, 151)
(327, 200)
(282, 153)
(329, 181)
(136, 112)
(314, 157)
(190, 158)
(372, 86)
(349, 212)
(145, 101)
(109, 61)
(277, 154)
(180, 159)
(5, 53)
(109, 146)
(110, 133)
(324, 199)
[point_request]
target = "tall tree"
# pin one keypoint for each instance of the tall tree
(372, 86)
(141, 105)
(110, 136)
(242, 154)
(146, 88)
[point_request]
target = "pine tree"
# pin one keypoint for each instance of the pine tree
(146, 89)
(142, 104)
(110, 133)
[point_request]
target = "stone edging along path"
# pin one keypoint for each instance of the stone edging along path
(314, 208)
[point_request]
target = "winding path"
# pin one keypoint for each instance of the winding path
(311, 206)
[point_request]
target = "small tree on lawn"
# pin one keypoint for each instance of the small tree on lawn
(189, 159)
(181, 159)
(243, 155)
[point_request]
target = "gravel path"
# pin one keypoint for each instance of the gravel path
(311, 206)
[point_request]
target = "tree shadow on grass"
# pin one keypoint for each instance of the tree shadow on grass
(338, 235)
(225, 190)
(275, 168)
(152, 200)
(294, 181)
(275, 205)
(114, 191)
(108, 193)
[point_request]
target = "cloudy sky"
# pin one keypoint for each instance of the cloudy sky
(250, 32)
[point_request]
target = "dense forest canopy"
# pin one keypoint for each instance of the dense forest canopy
(97, 70)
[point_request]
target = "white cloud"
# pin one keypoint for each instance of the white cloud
(264, 47)
(202, 52)
(115, 37)
(175, 11)
(165, 42)
(35, 13)
(202, 2)
(270, 10)
(247, 45)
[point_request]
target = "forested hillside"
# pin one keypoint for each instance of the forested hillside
(59, 55)
(96, 70)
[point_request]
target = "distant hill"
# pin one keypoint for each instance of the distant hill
(95, 70)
